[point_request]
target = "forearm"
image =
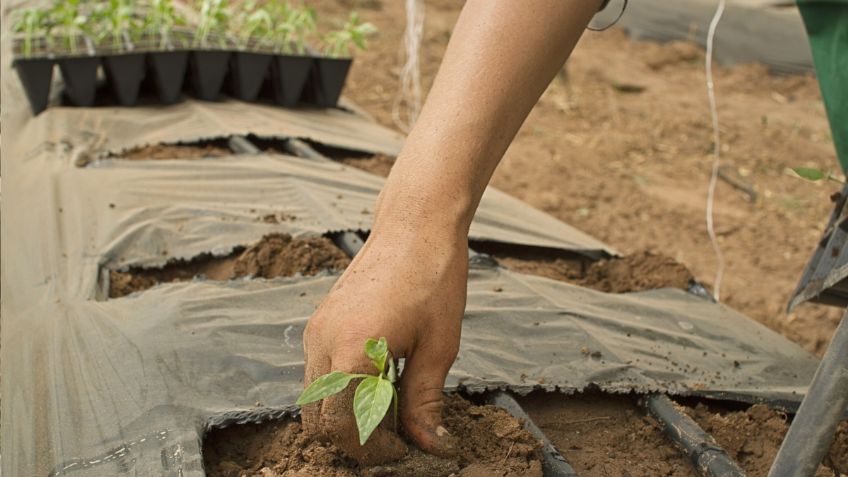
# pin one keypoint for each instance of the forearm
(500, 58)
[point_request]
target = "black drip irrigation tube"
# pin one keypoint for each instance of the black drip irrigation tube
(708, 457)
(553, 463)
(814, 426)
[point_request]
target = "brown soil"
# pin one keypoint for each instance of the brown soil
(177, 151)
(619, 146)
(752, 438)
(492, 443)
(637, 272)
(601, 434)
(276, 255)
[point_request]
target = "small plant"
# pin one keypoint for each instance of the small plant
(255, 25)
(292, 28)
(813, 174)
(214, 20)
(71, 21)
(353, 34)
(120, 24)
(33, 22)
(161, 21)
(373, 395)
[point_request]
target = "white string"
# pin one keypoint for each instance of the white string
(716, 150)
(407, 104)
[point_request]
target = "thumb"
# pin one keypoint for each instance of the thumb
(421, 404)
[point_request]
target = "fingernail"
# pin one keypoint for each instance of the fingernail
(442, 432)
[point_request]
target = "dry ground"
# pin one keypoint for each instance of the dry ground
(620, 146)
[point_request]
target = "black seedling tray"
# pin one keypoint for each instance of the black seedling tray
(291, 79)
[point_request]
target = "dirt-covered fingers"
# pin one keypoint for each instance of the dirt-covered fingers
(316, 363)
(421, 404)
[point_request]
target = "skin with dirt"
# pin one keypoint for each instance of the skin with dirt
(197, 150)
(620, 147)
(276, 255)
(752, 438)
(491, 443)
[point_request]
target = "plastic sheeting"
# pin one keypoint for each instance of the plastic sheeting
(763, 31)
(128, 386)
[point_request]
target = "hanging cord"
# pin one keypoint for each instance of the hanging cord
(407, 104)
(607, 27)
(716, 150)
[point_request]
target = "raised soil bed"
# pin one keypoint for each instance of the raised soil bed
(276, 255)
(492, 443)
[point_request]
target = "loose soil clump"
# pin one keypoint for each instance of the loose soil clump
(640, 271)
(602, 434)
(492, 443)
(276, 255)
(197, 150)
(752, 438)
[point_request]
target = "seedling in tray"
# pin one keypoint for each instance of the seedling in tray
(168, 64)
(290, 67)
(34, 23)
(209, 67)
(79, 72)
(36, 74)
(330, 73)
(250, 64)
(374, 394)
(160, 22)
(124, 68)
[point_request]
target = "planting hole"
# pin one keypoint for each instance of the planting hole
(276, 255)
(752, 435)
(377, 164)
(188, 150)
(491, 442)
(636, 272)
(603, 434)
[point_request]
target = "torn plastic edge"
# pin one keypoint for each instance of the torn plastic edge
(114, 154)
(102, 291)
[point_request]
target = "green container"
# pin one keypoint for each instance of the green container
(827, 27)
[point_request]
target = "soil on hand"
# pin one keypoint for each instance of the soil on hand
(492, 444)
(637, 272)
(276, 255)
(620, 147)
(602, 434)
(197, 150)
(752, 438)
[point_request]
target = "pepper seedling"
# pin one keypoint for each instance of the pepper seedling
(72, 22)
(33, 22)
(373, 395)
(292, 27)
(161, 21)
(120, 24)
(352, 34)
(254, 25)
(214, 19)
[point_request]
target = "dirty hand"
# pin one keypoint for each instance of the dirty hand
(408, 283)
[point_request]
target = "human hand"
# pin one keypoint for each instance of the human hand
(410, 288)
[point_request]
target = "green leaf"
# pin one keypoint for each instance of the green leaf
(810, 173)
(326, 386)
(377, 350)
(370, 403)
